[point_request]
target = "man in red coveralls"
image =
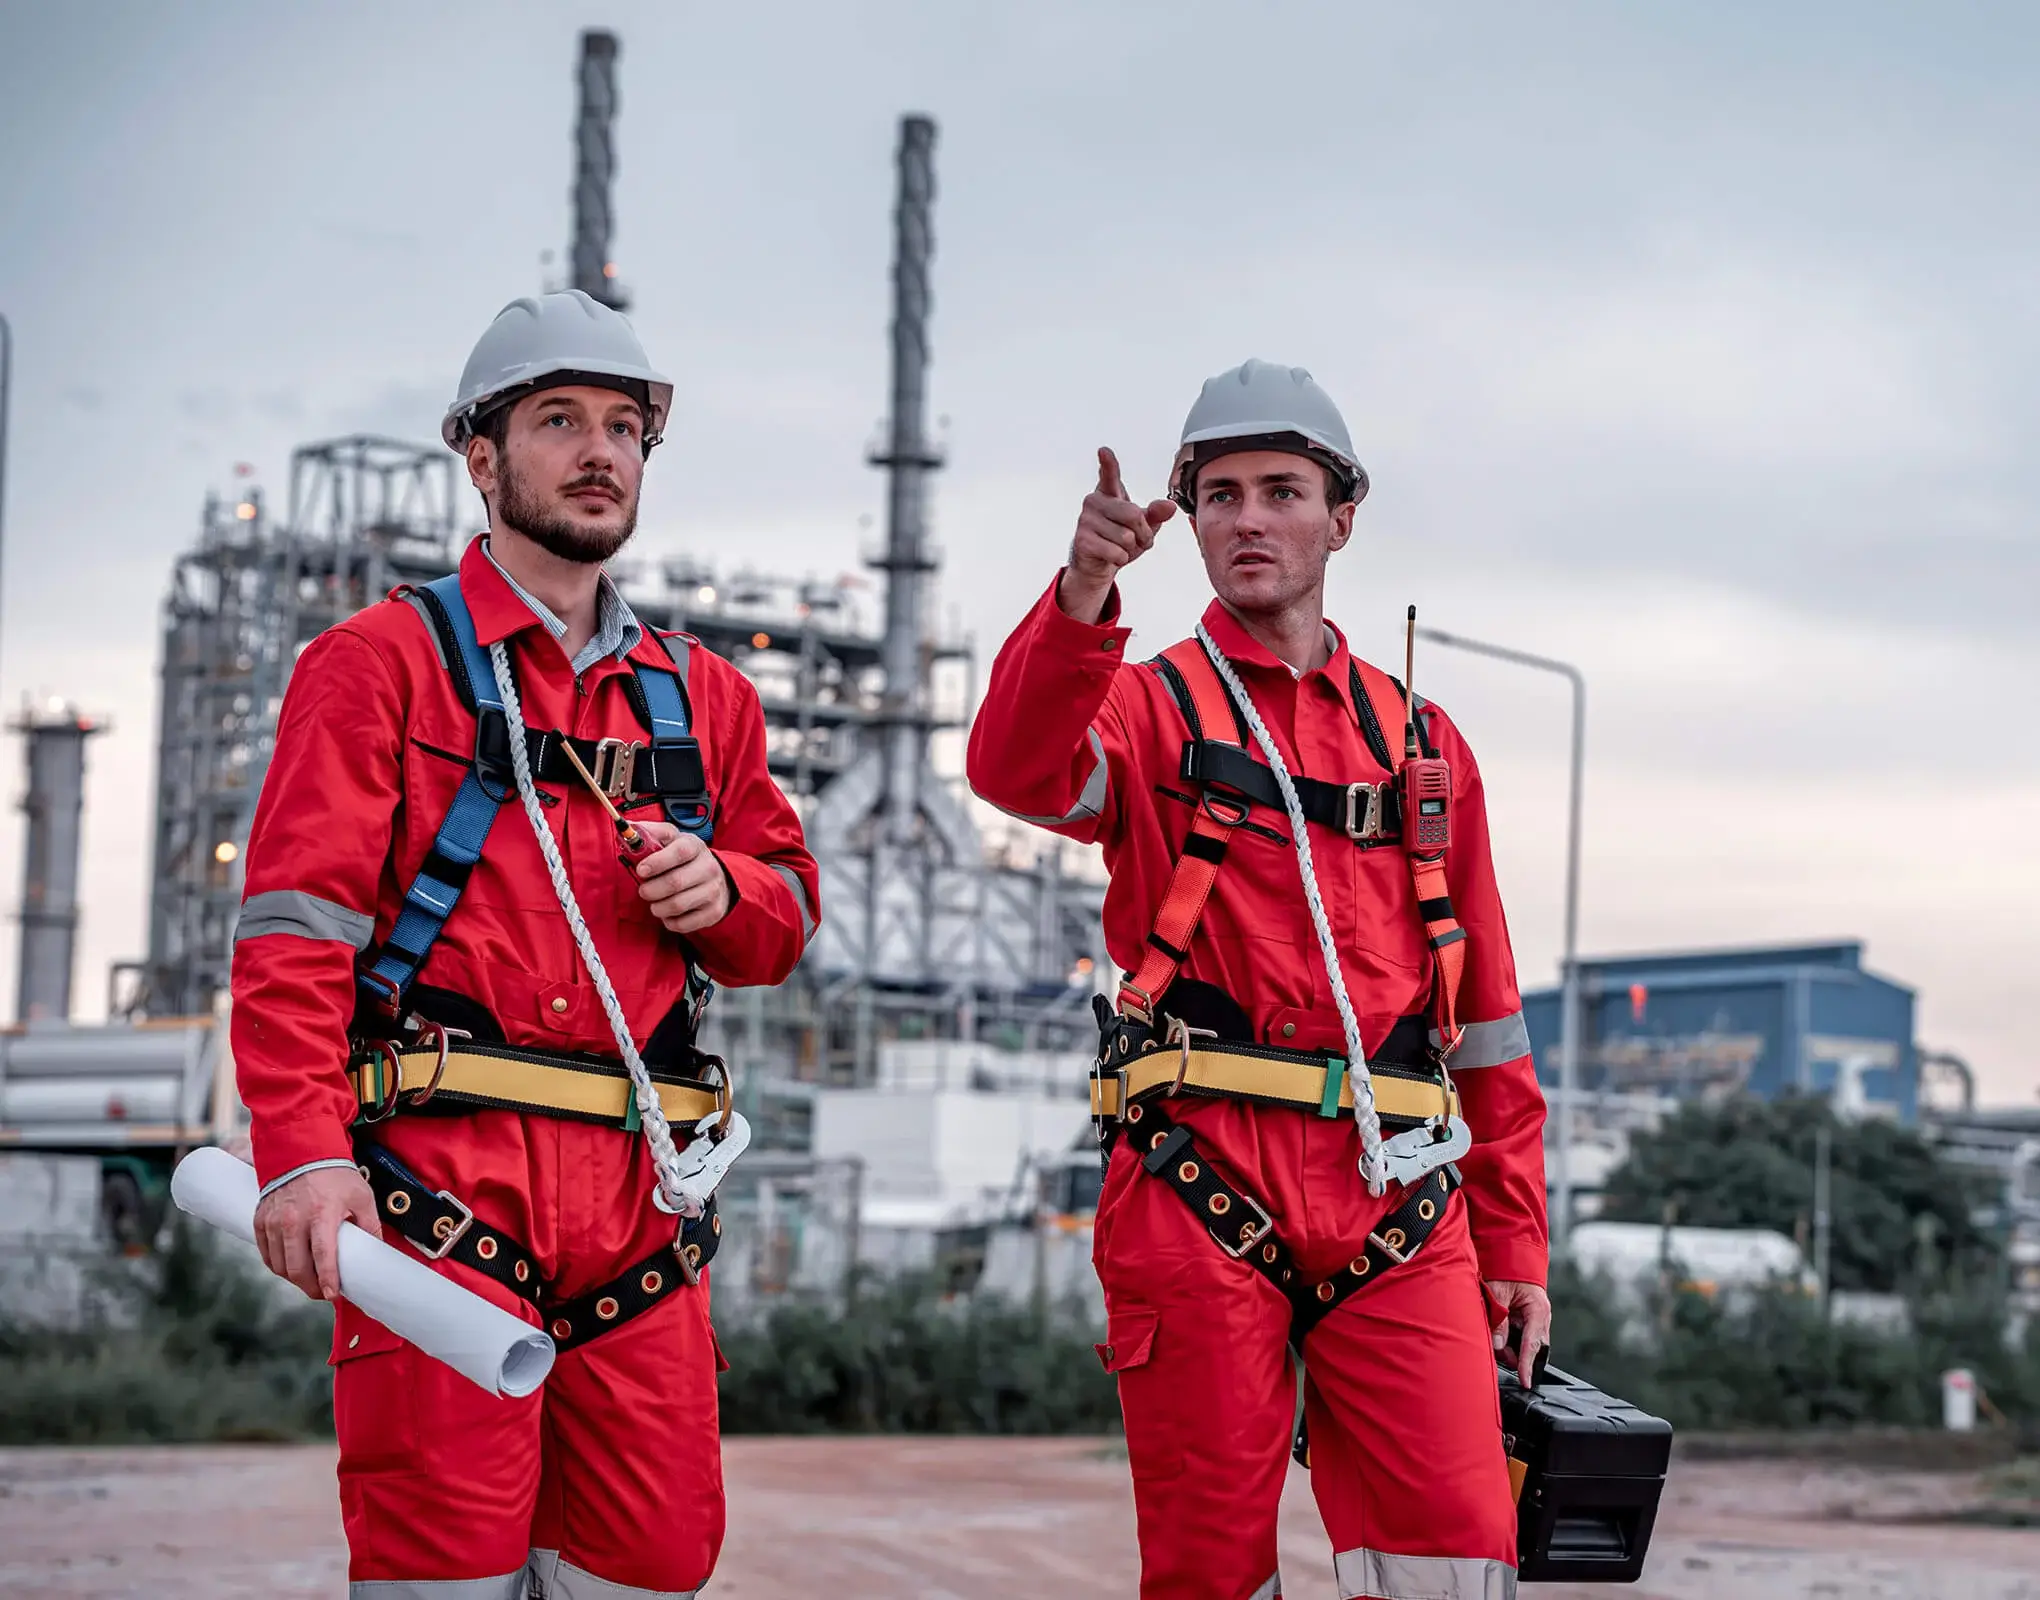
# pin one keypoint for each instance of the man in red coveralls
(428, 1049)
(1324, 1127)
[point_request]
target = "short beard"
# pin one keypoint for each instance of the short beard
(521, 511)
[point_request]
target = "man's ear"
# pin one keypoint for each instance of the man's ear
(481, 463)
(1342, 524)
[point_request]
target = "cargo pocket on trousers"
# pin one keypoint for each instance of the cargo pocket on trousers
(375, 1401)
(1129, 1339)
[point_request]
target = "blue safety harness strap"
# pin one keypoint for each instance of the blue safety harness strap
(458, 844)
(662, 701)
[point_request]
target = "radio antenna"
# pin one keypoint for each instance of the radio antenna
(1410, 686)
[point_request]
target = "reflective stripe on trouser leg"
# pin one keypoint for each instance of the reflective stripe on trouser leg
(508, 1587)
(554, 1579)
(1380, 1576)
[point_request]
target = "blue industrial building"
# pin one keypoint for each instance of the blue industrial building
(1717, 1022)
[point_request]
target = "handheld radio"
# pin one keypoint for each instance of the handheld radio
(1425, 781)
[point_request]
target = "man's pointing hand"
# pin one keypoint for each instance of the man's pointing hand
(1111, 531)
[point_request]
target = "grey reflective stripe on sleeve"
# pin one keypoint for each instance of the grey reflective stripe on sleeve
(1379, 1576)
(508, 1587)
(1489, 1044)
(807, 921)
(1271, 1590)
(304, 916)
(1090, 802)
(554, 1579)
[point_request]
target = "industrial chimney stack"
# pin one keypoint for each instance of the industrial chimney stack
(594, 272)
(908, 459)
(54, 740)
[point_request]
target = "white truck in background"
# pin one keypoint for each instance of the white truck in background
(132, 1096)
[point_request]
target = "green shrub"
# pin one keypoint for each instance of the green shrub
(208, 1351)
(1777, 1364)
(902, 1360)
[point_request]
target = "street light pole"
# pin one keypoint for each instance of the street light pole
(1569, 994)
(6, 384)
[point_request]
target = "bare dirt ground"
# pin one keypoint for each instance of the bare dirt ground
(963, 1519)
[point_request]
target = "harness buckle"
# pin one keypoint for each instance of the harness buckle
(1249, 1239)
(1363, 810)
(448, 1232)
(615, 766)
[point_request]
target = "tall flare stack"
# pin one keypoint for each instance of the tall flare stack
(908, 459)
(594, 170)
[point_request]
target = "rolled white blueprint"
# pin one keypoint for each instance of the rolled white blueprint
(480, 1341)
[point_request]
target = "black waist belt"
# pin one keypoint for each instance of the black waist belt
(445, 1229)
(1367, 813)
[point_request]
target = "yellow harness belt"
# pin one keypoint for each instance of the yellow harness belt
(1402, 1095)
(497, 1077)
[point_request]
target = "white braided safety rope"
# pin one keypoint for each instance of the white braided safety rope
(670, 1194)
(1373, 1166)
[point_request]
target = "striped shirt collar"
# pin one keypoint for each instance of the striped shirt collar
(617, 629)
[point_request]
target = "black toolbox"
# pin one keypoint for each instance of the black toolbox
(1587, 1470)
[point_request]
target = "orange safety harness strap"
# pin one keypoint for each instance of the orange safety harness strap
(1427, 869)
(1211, 715)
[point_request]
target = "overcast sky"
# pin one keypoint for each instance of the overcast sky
(1697, 345)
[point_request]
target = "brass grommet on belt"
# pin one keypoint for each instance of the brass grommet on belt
(1269, 1253)
(1394, 1238)
(692, 1255)
(522, 1271)
(397, 1203)
(715, 1226)
(651, 1283)
(561, 1328)
(1325, 1291)
(1220, 1204)
(606, 1308)
(1133, 1113)
(1188, 1171)
(486, 1247)
(1156, 1142)
(443, 1228)
(1360, 1266)
(1427, 1209)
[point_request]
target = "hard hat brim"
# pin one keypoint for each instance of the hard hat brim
(457, 427)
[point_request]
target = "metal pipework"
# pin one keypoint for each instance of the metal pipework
(595, 170)
(908, 459)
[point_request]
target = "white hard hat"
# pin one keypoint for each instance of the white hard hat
(546, 342)
(1260, 406)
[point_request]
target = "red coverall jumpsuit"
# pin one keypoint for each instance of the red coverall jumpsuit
(1401, 1397)
(613, 1469)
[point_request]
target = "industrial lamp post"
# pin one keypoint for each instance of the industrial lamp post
(1569, 996)
(6, 383)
